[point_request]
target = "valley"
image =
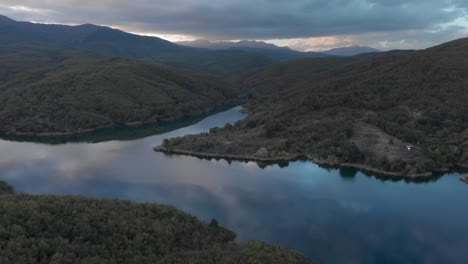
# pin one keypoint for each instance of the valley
(118, 146)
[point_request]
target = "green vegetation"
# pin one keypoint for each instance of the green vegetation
(74, 229)
(89, 94)
(398, 113)
(19, 59)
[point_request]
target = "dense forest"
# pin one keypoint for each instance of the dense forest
(87, 93)
(75, 229)
(401, 113)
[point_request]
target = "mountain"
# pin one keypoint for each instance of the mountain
(96, 93)
(350, 51)
(398, 113)
(111, 42)
(5, 20)
(76, 229)
(273, 52)
(220, 45)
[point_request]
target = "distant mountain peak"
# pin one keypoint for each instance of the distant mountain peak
(89, 26)
(257, 44)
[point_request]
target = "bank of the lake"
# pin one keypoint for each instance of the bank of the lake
(464, 179)
(128, 131)
(290, 157)
(331, 215)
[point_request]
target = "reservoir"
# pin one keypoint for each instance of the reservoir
(329, 215)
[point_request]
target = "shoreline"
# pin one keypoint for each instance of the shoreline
(128, 125)
(291, 158)
(464, 179)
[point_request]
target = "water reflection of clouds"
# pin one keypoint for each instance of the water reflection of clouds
(67, 161)
(356, 206)
(317, 211)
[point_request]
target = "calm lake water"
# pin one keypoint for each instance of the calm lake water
(330, 215)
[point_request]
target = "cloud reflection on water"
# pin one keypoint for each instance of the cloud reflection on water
(317, 211)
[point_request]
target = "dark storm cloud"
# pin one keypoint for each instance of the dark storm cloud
(245, 19)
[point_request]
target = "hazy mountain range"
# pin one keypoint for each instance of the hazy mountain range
(252, 45)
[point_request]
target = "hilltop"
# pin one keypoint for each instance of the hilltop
(399, 113)
(76, 229)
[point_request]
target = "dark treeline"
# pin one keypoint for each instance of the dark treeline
(74, 229)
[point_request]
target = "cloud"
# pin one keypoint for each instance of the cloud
(407, 39)
(247, 19)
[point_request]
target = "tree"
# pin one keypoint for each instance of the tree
(283, 145)
(214, 223)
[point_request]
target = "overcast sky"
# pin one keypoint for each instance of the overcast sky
(300, 24)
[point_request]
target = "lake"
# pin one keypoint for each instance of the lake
(330, 215)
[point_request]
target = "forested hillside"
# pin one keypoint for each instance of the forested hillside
(90, 94)
(73, 229)
(398, 113)
(18, 59)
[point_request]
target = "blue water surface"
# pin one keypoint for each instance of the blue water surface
(330, 215)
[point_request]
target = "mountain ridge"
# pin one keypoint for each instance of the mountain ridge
(247, 44)
(112, 42)
(5, 19)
